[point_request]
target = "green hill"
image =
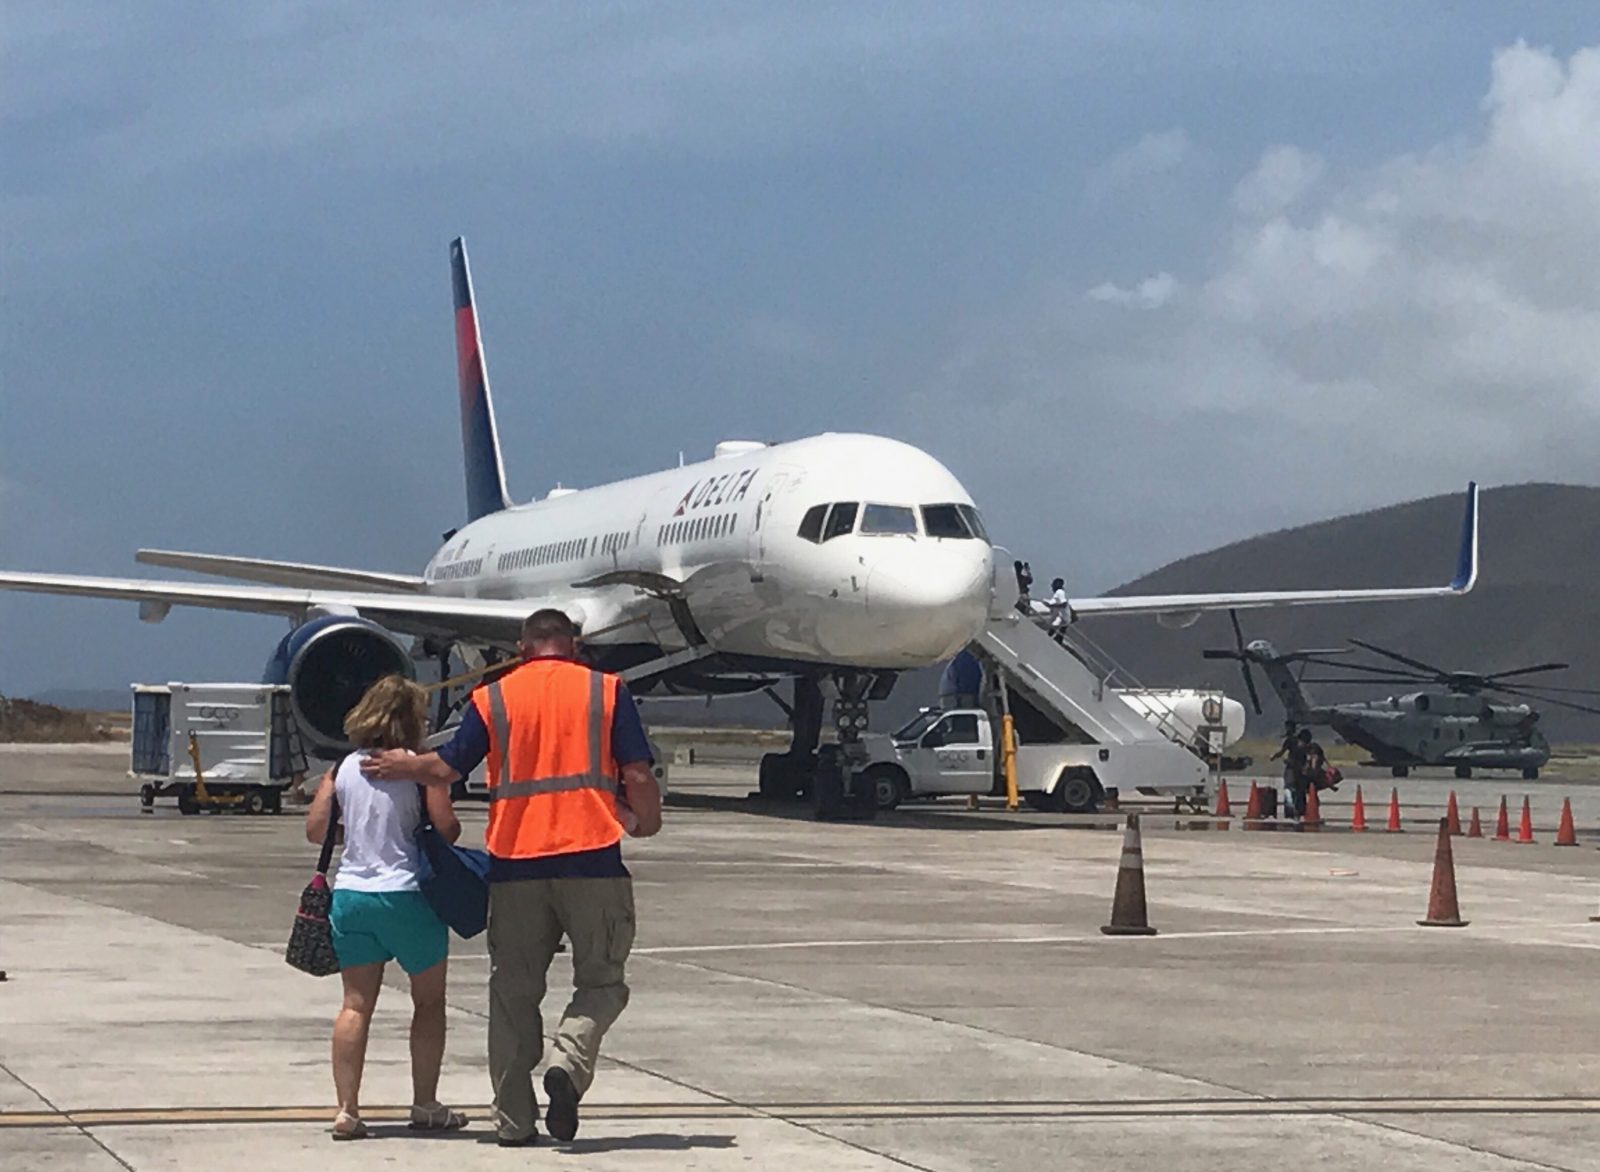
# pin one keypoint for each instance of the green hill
(1537, 599)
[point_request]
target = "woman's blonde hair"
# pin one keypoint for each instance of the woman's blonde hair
(392, 715)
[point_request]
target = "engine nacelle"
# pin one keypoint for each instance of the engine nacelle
(329, 663)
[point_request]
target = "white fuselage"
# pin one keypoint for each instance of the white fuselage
(898, 587)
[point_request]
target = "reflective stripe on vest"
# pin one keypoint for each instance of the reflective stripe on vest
(532, 718)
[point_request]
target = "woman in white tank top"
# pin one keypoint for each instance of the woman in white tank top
(379, 913)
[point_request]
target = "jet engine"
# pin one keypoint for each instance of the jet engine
(328, 664)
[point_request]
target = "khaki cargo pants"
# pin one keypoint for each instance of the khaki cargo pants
(527, 919)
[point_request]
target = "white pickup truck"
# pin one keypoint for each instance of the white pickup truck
(958, 752)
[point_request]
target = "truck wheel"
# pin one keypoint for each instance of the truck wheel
(1076, 792)
(1464, 772)
(1400, 771)
(1531, 773)
(889, 785)
(255, 802)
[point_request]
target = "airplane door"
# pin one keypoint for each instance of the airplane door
(761, 524)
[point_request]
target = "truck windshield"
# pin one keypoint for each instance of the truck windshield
(913, 731)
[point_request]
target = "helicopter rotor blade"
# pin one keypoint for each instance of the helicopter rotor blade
(1559, 703)
(1250, 686)
(1526, 671)
(1243, 656)
(1381, 673)
(1437, 673)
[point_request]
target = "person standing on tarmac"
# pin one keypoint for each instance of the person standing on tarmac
(559, 736)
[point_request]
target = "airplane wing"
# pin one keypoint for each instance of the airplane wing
(1188, 606)
(275, 573)
(408, 613)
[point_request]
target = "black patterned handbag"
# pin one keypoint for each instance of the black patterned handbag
(311, 940)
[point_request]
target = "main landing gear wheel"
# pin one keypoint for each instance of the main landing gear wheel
(1531, 773)
(781, 776)
(1400, 771)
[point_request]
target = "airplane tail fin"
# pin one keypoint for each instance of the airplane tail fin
(480, 442)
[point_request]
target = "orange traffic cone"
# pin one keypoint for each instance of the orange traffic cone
(1525, 828)
(1358, 817)
(1567, 833)
(1502, 826)
(1312, 818)
(1443, 910)
(1129, 916)
(1394, 826)
(1452, 815)
(1252, 808)
(1475, 827)
(1224, 807)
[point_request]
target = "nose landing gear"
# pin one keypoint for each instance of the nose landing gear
(829, 774)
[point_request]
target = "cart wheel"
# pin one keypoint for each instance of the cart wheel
(147, 797)
(255, 802)
(274, 801)
(186, 802)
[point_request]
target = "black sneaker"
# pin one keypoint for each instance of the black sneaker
(561, 1117)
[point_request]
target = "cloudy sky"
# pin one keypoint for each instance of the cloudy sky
(1148, 277)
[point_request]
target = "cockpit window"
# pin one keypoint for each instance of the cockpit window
(811, 523)
(841, 520)
(945, 521)
(889, 519)
(974, 522)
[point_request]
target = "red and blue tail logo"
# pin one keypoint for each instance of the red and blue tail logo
(480, 444)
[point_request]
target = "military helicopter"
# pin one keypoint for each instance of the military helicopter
(1459, 721)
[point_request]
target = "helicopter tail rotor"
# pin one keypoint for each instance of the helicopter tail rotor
(1242, 654)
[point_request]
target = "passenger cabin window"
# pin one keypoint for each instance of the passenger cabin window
(841, 520)
(890, 519)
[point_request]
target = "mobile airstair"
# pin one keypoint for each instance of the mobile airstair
(1063, 693)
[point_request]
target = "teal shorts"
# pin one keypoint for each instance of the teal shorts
(370, 927)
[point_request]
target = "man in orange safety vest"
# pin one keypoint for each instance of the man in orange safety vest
(569, 772)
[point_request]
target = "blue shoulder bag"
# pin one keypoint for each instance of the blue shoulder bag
(454, 879)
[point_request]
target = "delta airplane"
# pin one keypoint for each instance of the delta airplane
(837, 558)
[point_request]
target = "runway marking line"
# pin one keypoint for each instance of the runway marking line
(1043, 1109)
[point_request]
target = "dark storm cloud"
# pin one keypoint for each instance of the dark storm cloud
(227, 315)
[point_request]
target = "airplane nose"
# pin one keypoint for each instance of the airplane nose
(933, 600)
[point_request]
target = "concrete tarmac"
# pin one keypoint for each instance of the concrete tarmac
(927, 991)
